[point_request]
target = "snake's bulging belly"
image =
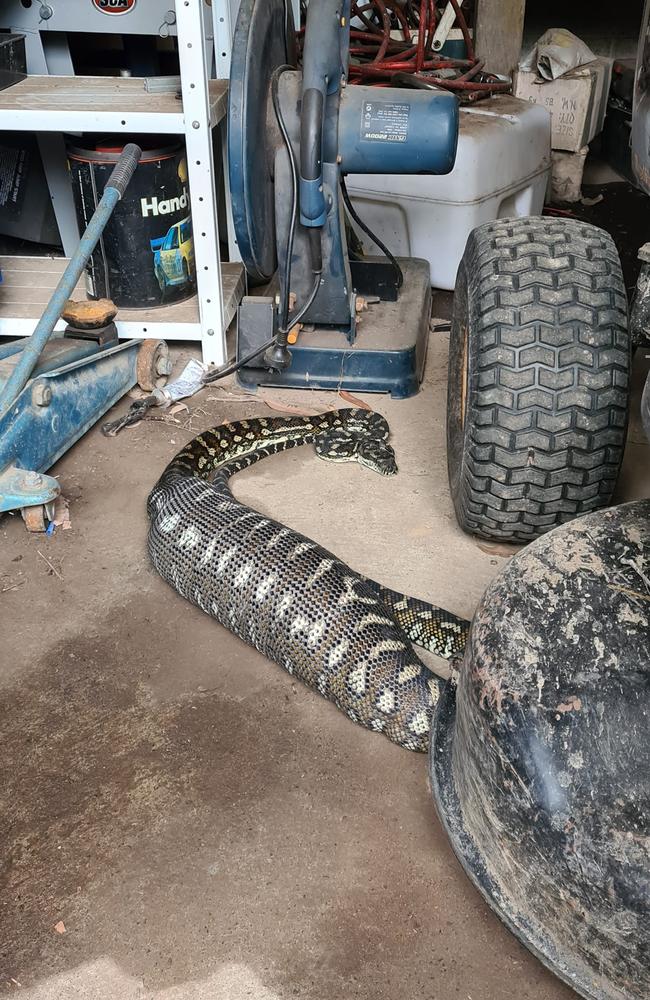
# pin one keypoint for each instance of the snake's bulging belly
(296, 603)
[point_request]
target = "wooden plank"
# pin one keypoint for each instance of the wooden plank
(28, 283)
(232, 280)
(48, 103)
(499, 32)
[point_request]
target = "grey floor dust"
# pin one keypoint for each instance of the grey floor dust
(196, 823)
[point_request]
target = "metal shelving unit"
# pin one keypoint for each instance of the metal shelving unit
(55, 104)
(29, 282)
(98, 104)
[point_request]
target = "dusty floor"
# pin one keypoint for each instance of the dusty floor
(202, 826)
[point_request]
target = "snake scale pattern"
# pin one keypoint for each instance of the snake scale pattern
(342, 634)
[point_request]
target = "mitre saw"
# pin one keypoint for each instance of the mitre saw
(326, 316)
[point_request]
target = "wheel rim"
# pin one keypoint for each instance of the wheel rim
(464, 374)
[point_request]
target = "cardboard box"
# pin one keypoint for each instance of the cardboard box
(577, 102)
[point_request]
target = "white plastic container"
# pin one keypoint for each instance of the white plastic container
(502, 170)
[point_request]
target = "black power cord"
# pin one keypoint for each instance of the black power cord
(275, 83)
(279, 355)
(234, 365)
(138, 411)
(399, 276)
(276, 354)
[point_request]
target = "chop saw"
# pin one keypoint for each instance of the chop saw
(322, 314)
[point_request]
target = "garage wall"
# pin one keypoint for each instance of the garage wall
(609, 29)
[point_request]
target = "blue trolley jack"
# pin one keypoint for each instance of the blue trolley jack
(53, 390)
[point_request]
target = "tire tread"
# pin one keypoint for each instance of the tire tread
(547, 405)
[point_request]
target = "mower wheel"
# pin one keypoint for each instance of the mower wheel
(539, 363)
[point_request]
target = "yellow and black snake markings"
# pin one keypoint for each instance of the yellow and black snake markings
(344, 635)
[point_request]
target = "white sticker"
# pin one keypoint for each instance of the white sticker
(385, 121)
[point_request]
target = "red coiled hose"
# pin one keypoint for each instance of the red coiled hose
(377, 54)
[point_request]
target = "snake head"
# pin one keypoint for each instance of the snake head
(378, 456)
(362, 438)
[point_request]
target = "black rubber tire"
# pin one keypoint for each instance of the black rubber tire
(539, 370)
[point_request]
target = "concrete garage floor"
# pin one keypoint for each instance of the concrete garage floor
(203, 826)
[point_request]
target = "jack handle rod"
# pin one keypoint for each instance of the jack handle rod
(113, 192)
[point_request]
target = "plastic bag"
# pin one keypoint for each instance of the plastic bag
(557, 52)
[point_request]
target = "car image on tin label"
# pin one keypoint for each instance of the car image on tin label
(173, 256)
(114, 6)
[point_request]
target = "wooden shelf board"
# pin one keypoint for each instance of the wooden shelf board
(97, 103)
(28, 283)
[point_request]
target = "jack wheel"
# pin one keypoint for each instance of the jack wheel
(153, 364)
(38, 518)
(539, 372)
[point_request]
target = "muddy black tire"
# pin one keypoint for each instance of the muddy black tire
(539, 367)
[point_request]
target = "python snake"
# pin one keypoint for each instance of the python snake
(342, 634)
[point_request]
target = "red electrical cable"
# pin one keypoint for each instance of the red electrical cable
(379, 53)
(401, 17)
(462, 24)
(369, 69)
(422, 35)
(359, 12)
(385, 42)
(471, 72)
(431, 9)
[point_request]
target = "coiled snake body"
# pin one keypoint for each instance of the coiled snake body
(344, 635)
